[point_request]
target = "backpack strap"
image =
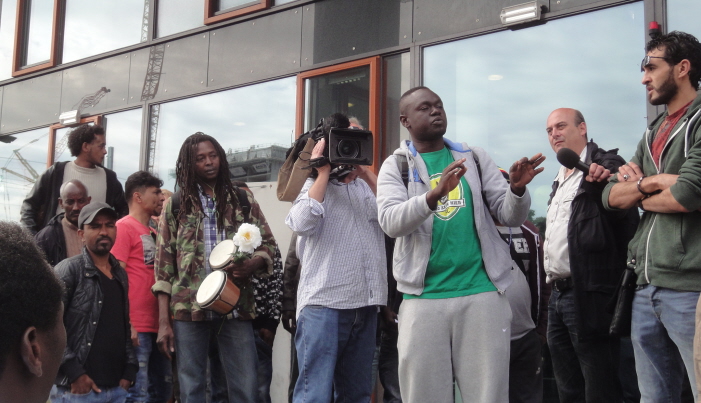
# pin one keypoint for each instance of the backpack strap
(403, 166)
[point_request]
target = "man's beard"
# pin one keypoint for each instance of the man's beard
(101, 250)
(666, 92)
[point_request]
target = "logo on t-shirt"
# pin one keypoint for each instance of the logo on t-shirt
(448, 205)
(149, 249)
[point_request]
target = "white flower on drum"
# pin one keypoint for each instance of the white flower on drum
(247, 238)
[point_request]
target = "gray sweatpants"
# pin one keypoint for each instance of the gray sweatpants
(463, 338)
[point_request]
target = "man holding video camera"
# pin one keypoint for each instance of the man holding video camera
(344, 280)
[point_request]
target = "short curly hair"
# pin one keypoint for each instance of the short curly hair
(31, 292)
(679, 46)
(83, 134)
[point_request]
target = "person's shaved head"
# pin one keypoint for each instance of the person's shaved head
(70, 185)
(403, 100)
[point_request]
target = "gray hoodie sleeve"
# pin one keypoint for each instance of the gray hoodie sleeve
(399, 215)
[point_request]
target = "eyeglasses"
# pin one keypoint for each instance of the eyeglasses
(646, 61)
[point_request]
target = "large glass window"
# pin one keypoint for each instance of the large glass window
(22, 161)
(220, 10)
(346, 91)
(8, 15)
(123, 137)
(39, 20)
(254, 124)
(499, 89)
(682, 15)
(94, 27)
(178, 15)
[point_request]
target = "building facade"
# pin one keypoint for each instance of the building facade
(254, 74)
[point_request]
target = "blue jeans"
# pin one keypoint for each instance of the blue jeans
(663, 336)
(335, 348)
(154, 381)
(265, 369)
(583, 371)
(62, 394)
(237, 352)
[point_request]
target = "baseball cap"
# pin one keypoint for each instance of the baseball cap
(88, 213)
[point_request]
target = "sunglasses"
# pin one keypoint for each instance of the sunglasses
(646, 61)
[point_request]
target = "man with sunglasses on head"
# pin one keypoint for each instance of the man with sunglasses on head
(664, 180)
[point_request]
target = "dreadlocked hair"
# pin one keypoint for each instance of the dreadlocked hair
(188, 180)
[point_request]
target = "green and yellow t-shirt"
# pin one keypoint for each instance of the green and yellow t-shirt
(455, 267)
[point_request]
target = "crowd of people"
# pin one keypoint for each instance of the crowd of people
(426, 274)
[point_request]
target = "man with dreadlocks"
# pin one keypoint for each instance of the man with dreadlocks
(343, 280)
(204, 212)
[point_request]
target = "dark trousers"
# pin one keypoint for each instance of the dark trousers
(388, 366)
(584, 372)
(526, 370)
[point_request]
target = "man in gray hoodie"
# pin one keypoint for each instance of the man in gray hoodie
(449, 260)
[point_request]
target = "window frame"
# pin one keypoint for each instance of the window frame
(211, 16)
(95, 119)
(375, 99)
(21, 39)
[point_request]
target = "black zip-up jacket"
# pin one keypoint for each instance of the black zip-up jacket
(598, 245)
(52, 240)
(82, 303)
(42, 200)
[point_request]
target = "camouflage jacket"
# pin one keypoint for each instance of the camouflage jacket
(180, 255)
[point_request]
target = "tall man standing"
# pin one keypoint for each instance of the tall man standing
(342, 282)
(99, 358)
(449, 259)
(59, 239)
(135, 249)
(664, 180)
(208, 209)
(585, 252)
(87, 144)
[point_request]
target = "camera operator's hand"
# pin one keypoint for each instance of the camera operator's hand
(318, 152)
(450, 178)
(318, 189)
(365, 173)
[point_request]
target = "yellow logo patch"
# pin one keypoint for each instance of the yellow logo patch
(449, 205)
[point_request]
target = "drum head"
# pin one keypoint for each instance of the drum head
(221, 254)
(210, 288)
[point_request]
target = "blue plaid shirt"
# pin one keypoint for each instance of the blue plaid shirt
(211, 236)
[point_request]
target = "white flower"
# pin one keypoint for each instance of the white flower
(247, 238)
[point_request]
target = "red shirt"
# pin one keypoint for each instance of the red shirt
(663, 133)
(136, 247)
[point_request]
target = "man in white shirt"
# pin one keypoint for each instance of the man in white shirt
(584, 255)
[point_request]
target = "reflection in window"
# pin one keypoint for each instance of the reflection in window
(226, 5)
(279, 2)
(38, 25)
(346, 91)
(22, 161)
(178, 15)
(254, 124)
(8, 13)
(396, 79)
(682, 15)
(123, 137)
(94, 27)
(499, 89)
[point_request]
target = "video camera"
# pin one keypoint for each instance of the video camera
(349, 147)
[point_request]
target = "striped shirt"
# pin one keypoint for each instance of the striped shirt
(211, 236)
(341, 247)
